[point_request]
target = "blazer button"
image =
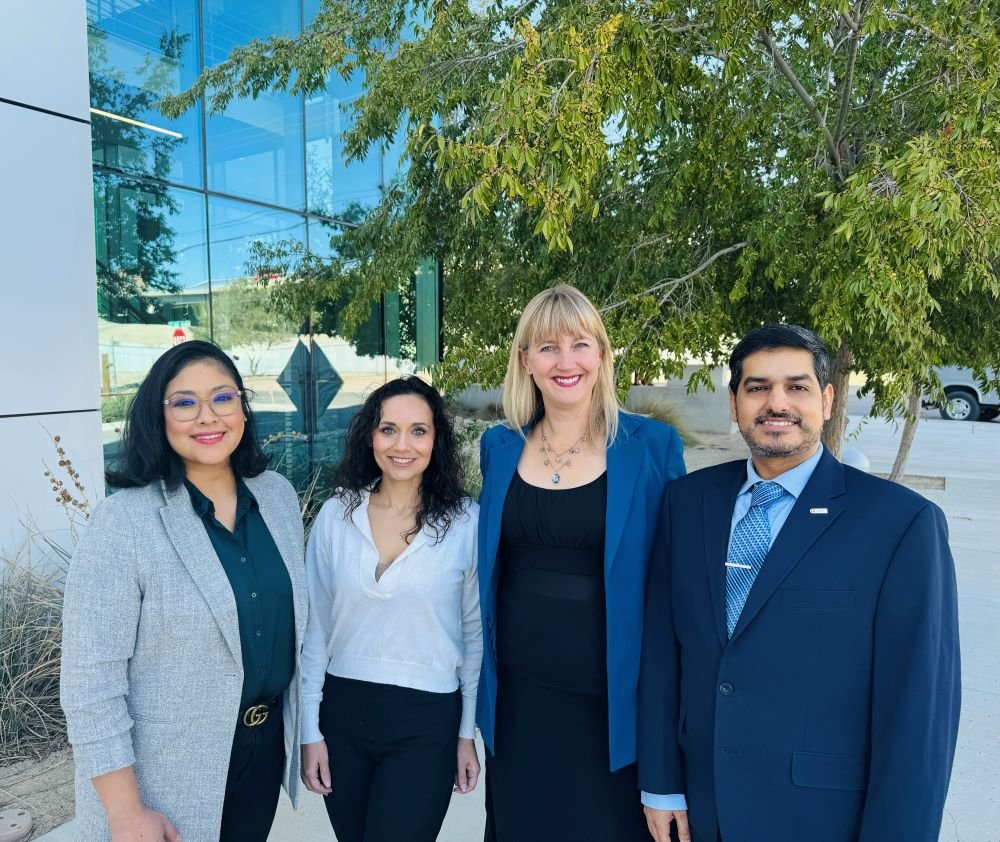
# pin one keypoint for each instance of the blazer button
(726, 689)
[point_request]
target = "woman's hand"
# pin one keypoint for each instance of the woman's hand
(128, 819)
(316, 768)
(142, 825)
(468, 766)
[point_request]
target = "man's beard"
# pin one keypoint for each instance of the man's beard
(773, 449)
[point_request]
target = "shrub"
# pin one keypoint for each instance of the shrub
(31, 720)
(655, 404)
(114, 407)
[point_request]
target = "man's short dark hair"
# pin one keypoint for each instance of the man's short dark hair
(773, 336)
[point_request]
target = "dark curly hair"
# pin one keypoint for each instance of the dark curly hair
(145, 454)
(441, 487)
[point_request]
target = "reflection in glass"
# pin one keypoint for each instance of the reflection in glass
(175, 264)
(152, 283)
(138, 52)
(254, 149)
(152, 265)
(338, 189)
(235, 226)
(261, 342)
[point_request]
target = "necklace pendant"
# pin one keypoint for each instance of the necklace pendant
(555, 479)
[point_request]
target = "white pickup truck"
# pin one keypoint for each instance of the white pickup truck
(967, 401)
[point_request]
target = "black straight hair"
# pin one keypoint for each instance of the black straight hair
(441, 489)
(146, 455)
(773, 336)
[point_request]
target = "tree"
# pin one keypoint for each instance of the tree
(245, 320)
(697, 169)
(136, 241)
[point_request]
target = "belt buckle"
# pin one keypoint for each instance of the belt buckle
(254, 716)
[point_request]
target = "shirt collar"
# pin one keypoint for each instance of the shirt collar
(204, 507)
(793, 480)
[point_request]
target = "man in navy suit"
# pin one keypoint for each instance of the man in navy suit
(800, 665)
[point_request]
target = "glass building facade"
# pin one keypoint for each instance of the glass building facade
(182, 204)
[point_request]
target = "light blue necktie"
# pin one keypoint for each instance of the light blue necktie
(750, 542)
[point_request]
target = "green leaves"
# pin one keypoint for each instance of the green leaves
(841, 158)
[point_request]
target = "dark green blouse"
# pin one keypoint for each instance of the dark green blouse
(263, 594)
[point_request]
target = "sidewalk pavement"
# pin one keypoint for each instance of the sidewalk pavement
(967, 457)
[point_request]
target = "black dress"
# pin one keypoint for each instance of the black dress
(549, 777)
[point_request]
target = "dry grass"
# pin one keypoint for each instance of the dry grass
(32, 724)
(31, 721)
(468, 432)
(657, 405)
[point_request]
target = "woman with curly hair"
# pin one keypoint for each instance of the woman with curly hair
(394, 639)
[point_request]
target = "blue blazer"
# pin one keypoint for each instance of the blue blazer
(832, 712)
(643, 459)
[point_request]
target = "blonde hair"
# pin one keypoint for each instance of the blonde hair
(560, 311)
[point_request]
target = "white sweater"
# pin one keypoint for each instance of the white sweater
(418, 626)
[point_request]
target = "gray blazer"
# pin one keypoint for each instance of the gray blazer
(151, 664)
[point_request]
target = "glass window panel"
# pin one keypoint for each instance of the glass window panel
(266, 348)
(140, 50)
(254, 149)
(393, 165)
(236, 227)
(338, 189)
(373, 336)
(151, 253)
(152, 283)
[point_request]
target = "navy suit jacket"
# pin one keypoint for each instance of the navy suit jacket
(831, 715)
(644, 457)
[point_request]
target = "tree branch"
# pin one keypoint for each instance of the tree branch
(923, 27)
(845, 98)
(803, 94)
(672, 282)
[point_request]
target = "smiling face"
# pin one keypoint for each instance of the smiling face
(209, 440)
(565, 369)
(780, 408)
(404, 438)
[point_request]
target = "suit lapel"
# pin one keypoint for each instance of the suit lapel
(718, 503)
(504, 457)
(187, 533)
(625, 458)
(801, 530)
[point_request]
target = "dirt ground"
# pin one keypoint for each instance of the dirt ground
(43, 786)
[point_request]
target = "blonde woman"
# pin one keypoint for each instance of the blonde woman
(572, 492)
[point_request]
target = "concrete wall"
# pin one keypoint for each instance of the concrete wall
(48, 340)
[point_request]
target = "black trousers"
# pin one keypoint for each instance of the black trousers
(256, 766)
(393, 757)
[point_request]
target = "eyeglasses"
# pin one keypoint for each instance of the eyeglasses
(188, 407)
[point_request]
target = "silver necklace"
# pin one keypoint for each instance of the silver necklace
(551, 455)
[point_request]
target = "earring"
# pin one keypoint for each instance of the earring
(246, 417)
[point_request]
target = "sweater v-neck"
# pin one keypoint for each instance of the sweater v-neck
(363, 523)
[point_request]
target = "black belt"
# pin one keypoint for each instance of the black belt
(257, 714)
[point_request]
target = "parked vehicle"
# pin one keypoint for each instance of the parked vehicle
(967, 401)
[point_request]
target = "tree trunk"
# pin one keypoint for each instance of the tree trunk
(909, 431)
(833, 431)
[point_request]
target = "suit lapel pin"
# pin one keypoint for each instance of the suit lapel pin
(822, 511)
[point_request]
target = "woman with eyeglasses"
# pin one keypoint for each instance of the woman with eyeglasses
(394, 643)
(184, 614)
